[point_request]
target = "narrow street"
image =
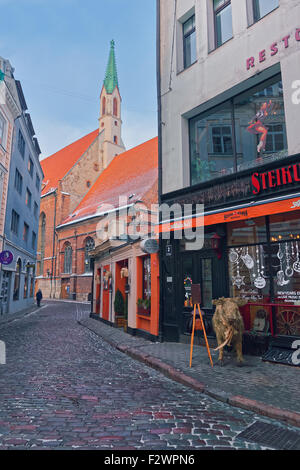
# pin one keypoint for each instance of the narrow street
(63, 387)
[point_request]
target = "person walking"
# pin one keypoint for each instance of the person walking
(39, 297)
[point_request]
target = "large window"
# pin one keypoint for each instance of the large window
(223, 21)
(263, 7)
(264, 268)
(68, 259)
(189, 42)
(242, 133)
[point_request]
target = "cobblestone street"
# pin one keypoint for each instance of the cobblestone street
(64, 387)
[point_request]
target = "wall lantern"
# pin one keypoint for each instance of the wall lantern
(216, 245)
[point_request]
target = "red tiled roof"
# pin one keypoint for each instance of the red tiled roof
(134, 172)
(57, 165)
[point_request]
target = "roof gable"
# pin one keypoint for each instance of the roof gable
(131, 175)
(57, 165)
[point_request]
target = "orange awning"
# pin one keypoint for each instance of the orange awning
(242, 212)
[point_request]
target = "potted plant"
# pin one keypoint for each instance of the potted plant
(144, 306)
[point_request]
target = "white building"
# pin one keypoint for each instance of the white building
(229, 105)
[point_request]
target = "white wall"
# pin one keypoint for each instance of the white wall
(218, 71)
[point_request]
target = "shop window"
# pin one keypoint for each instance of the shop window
(243, 133)
(189, 42)
(146, 277)
(89, 246)
(262, 7)
(283, 228)
(246, 232)
(206, 283)
(26, 278)
(249, 276)
(223, 21)
(187, 280)
(16, 293)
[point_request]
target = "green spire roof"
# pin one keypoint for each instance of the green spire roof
(111, 76)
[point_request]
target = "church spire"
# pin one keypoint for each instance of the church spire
(111, 76)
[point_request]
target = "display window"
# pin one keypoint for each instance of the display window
(244, 132)
(267, 274)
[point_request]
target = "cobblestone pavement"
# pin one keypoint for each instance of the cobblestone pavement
(63, 387)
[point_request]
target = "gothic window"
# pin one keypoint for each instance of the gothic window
(115, 107)
(103, 105)
(68, 259)
(115, 140)
(89, 246)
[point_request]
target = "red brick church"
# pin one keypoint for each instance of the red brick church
(92, 168)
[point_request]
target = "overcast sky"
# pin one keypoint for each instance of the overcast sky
(60, 48)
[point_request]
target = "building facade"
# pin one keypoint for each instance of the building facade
(22, 213)
(20, 191)
(229, 102)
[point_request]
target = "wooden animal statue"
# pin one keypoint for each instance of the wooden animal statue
(229, 326)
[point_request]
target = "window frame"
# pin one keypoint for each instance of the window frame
(30, 166)
(257, 18)
(15, 222)
(18, 181)
(217, 12)
(21, 144)
(68, 259)
(231, 102)
(89, 245)
(2, 137)
(185, 37)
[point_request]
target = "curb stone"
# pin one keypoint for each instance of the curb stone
(288, 417)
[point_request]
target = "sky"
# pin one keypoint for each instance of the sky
(59, 50)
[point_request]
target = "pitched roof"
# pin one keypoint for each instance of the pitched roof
(111, 76)
(132, 175)
(57, 165)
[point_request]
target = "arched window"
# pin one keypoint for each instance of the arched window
(115, 107)
(89, 246)
(68, 259)
(16, 294)
(41, 242)
(103, 105)
(115, 140)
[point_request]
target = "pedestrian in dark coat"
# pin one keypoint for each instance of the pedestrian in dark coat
(39, 297)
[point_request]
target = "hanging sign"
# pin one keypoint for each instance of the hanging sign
(6, 257)
(149, 246)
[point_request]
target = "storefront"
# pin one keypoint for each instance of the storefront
(250, 188)
(126, 287)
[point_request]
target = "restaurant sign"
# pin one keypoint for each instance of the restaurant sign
(275, 178)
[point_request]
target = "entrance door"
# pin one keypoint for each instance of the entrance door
(205, 269)
(65, 289)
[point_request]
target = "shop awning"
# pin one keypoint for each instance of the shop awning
(230, 214)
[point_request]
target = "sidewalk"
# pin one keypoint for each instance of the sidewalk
(268, 389)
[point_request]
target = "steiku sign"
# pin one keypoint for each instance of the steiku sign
(275, 178)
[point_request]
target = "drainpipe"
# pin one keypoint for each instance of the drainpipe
(53, 241)
(158, 79)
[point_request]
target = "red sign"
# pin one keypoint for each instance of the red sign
(275, 178)
(273, 49)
